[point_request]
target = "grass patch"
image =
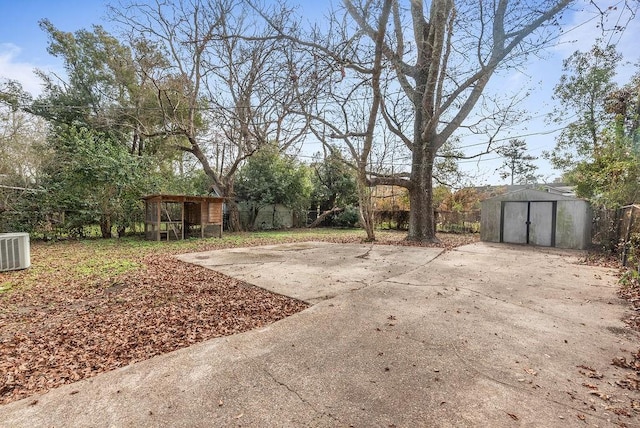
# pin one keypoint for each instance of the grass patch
(5, 286)
(105, 268)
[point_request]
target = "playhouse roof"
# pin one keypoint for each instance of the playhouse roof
(181, 198)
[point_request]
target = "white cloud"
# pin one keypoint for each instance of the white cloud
(12, 68)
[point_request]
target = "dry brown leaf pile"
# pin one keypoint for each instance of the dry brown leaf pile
(52, 337)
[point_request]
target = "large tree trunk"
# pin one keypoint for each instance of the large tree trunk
(254, 210)
(105, 226)
(232, 207)
(421, 216)
(234, 216)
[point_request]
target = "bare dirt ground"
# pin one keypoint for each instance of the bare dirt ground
(69, 324)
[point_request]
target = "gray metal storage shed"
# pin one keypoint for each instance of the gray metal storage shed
(539, 218)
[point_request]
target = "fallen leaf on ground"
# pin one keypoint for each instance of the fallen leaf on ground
(619, 411)
(601, 395)
(590, 372)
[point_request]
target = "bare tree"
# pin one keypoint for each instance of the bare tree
(455, 48)
(344, 112)
(360, 142)
(434, 70)
(227, 85)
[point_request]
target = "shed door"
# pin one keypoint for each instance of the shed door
(514, 222)
(541, 223)
(529, 222)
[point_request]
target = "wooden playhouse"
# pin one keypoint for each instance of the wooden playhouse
(174, 217)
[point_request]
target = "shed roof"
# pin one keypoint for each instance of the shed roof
(532, 195)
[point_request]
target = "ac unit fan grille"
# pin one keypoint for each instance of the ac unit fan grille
(14, 251)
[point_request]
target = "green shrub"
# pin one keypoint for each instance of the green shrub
(347, 218)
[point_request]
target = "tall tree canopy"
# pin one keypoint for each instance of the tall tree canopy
(96, 89)
(586, 82)
(599, 150)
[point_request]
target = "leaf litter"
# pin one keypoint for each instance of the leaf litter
(68, 318)
(50, 337)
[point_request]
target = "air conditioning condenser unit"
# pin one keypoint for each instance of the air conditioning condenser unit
(14, 251)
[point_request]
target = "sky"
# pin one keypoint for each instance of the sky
(23, 47)
(581, 29)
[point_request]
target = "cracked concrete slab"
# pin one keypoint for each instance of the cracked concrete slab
(485, 335)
